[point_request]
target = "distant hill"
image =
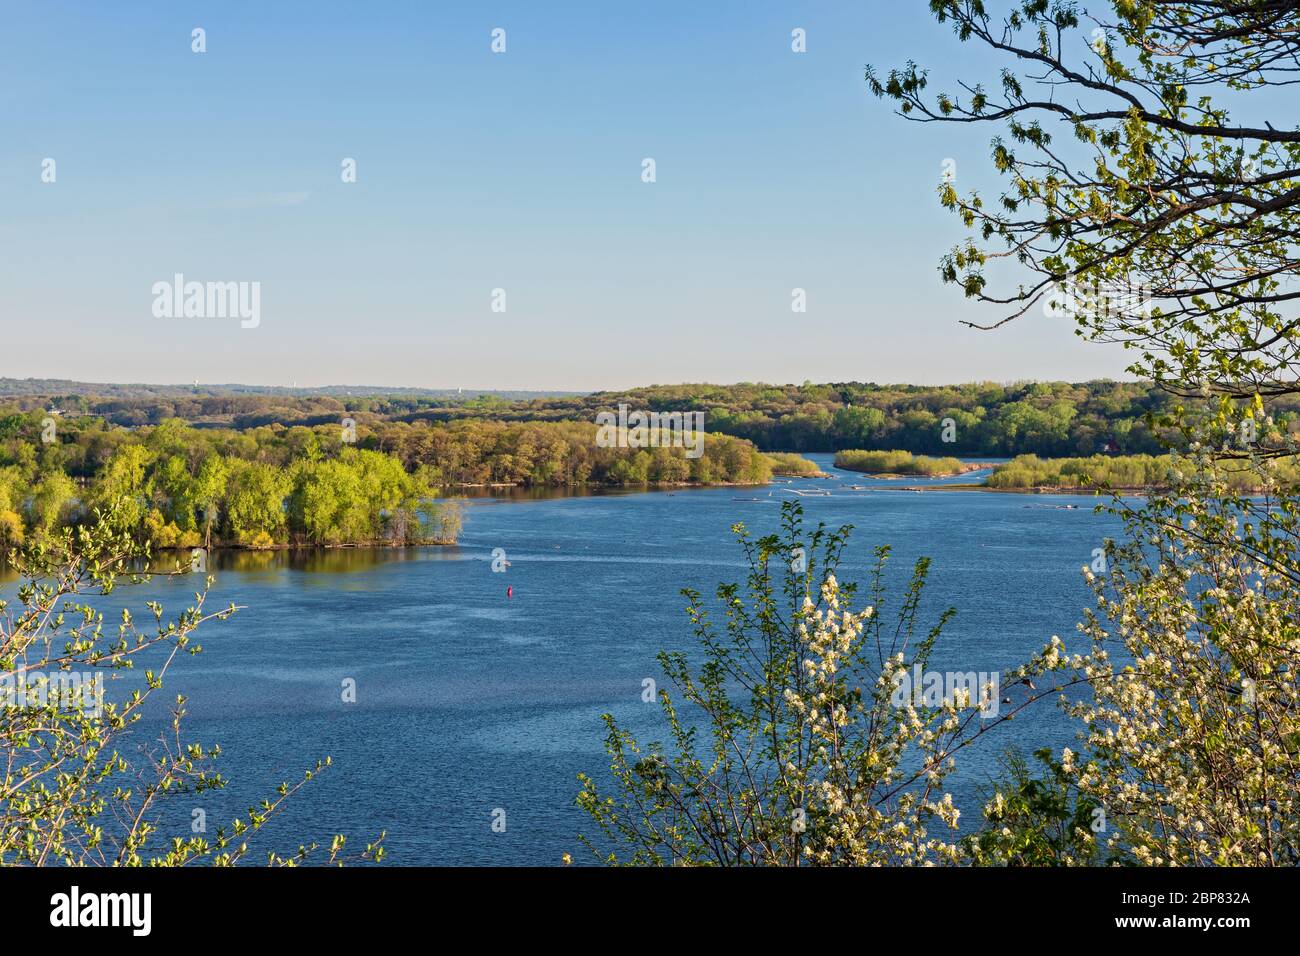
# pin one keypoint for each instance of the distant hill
(20, 387)
(989, 419)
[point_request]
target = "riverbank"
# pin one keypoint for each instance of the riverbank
(379, 545)
(903, 476)
(1037, 490)
(591, 486)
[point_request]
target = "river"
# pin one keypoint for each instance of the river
(469, 701)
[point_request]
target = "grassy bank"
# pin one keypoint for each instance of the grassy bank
(1121, 472)
(900, 463)
(788, 463)
(1117, 473)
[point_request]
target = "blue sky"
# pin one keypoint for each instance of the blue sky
(479, 171)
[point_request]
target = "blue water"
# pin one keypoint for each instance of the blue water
(469, 701)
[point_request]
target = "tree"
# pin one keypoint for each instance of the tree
(255, 499)
(11, 530)
(209, 490)
(120, 490)
(11, 522)
(49, 502)
(1037, 820)
(441, 521)
(1189, 741)
(331, 503)
(173, 484)
(790, 745)
(1190, 735)
(857, 427)
(1158, 221)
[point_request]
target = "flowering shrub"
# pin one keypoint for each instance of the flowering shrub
(1192, 733)
(788, 746)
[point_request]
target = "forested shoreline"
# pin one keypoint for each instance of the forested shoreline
(988, 419)
(329, 485)
(244, 470)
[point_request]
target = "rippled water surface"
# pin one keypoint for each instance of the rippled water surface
(469, 700)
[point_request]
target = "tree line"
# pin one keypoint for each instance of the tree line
(183, 486)
(1050, 419)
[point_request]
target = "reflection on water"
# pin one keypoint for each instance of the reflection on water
(346, 559)
(310, 560)
(518, 493)
(320, 560)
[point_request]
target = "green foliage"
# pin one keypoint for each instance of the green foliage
(1194, 662)
(1098, 471)
(991, 420)
(1127, 473)
(50, 501)
(1045, 418)
(786, 463)
(254, 502)
(898, 463)
(1161, 221)
(177, 486)
(173, 486)
(11, 531)
(1037, 820)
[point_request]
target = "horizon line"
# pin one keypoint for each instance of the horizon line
(568, 391)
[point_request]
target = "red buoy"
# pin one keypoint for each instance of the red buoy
(510, 591)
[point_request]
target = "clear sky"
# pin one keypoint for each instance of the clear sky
(478, 171)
